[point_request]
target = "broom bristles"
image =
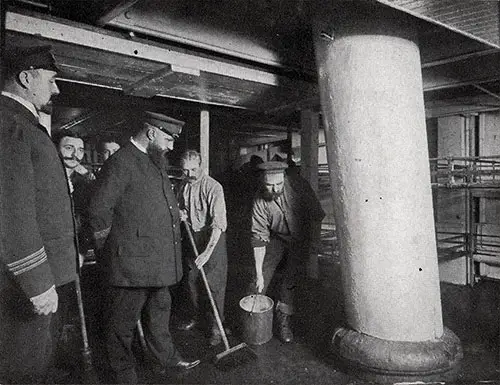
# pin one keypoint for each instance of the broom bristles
(238, 355)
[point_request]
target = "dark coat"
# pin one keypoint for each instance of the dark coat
(133, 199)
(37, 233)
(82, 190)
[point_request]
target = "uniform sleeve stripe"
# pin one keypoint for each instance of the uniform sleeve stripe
(26, 259)
(28, 263)
(32, 266)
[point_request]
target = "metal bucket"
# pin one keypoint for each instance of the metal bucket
(257, 319)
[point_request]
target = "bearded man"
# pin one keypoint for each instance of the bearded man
(134, 212)
(285, 217)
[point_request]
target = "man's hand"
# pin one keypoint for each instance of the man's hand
(46, 302)
(202, 259)
(184, 215)
(80, 169)
(259, 283)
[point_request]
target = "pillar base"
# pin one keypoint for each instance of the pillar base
(386, 361)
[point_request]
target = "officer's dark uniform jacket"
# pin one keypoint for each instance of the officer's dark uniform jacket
(134, 203)
(38, 240)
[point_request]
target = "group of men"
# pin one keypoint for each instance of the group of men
(135, 219)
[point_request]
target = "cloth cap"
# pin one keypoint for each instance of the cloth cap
(18, 59)
(165, 123)
(272, 167)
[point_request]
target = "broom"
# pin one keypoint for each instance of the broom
(89, 375)
(230, 357)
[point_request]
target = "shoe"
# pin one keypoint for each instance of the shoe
(284, 329)
(187, 325)
(185, 365)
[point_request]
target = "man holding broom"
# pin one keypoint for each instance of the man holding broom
(201, 200)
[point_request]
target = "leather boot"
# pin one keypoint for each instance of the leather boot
(284, 328)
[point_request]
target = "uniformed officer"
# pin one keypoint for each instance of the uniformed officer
(37, 244)
(134, 202)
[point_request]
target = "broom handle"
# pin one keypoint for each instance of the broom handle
(83, 326)
(207, 286)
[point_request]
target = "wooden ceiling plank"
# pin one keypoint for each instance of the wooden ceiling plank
(437, 22)
(142, 87)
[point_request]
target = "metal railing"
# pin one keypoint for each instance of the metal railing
(465, 172)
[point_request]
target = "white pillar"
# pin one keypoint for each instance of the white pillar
(205, 139)
(309, 126)
(372, 100)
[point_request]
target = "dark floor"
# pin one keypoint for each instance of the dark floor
(471, 312)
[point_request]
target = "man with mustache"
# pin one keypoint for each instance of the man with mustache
(71, 150)
(285, 217)
(135, 213)
(202, 201)
(37, 243)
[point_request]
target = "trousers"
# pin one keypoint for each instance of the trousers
(283, 268)
(194, 291)
(25, 338)
(127, 306)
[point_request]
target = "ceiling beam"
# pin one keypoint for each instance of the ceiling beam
(456, 58)
(143, 87)
(254, 140)
(64, 31)
(474, 70)
(271, 127)
(79, 120)
(462, 105)
(439, 112)
(114, 10)
(309, 103)
(486, 91)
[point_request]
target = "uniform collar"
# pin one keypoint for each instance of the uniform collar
(30, 106)
(138, 146)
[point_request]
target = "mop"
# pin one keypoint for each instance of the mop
(230, 357)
